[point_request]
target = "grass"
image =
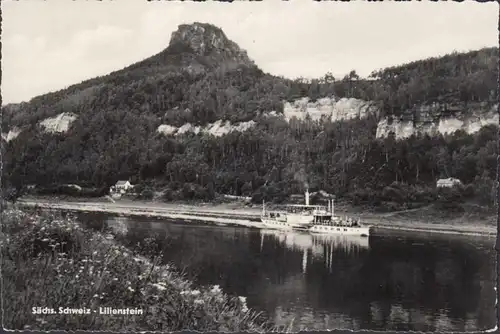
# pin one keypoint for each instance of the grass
(51, 261)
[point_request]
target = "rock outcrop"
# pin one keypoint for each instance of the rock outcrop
(440, 119)
(217, 129)
(12, 134)
(426, 119)
(59, 123)
(211, 43)
(329, 108)
(167, 129)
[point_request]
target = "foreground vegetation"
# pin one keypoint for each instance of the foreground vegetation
(51, 261)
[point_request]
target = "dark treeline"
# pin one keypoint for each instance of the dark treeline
(115, 137)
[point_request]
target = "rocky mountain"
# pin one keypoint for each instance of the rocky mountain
(200, 117)
(194, 50)
(206, 40)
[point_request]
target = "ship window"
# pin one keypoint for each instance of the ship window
(345, 229)
(338, 229)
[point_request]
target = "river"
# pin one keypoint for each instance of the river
(389, 281)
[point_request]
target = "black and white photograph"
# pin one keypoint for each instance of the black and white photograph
(260, 166)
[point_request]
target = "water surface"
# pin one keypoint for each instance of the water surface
(391, 281)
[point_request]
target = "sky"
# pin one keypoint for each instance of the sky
(49, 45)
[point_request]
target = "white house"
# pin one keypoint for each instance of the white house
(121, 187)
(448, 183)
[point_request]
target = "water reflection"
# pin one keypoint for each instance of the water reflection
(397, 282)
(118, 225)
(318, 246)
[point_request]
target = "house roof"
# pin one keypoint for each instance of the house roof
(121, 183)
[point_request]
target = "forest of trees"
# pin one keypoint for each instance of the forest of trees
(115, 137)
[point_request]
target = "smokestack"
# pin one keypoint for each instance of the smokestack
(307, 196)
(304, 261)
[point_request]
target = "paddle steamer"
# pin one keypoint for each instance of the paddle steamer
(312, 218)
(292, 216)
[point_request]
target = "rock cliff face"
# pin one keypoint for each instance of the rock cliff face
(431, 120)
(59, 123)
(440, 119)
(12, 134)
(208, 41)
(329, 108)
(216, 129)
(56, 124)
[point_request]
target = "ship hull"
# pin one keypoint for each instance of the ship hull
(345, 230)
(282, 225)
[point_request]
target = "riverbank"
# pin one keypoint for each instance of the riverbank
(426, 219)
(56, 269)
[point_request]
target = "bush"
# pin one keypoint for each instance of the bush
(258, 197)
(168, 195)
(451, 195)
(450, 206)
(147, 194)
(394, 194)
(362, 196)
(37, 270)
(485, 188)
(69, 190)
(424, 194)
(469, 191)
(450, 199)
(35, 237)
(270, 193)
(246, 189)
(138, 188)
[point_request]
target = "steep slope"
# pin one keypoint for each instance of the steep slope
(200, 117)
(194, 50)
(441, 95)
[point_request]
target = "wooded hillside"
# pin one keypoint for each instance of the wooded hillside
(115, 137)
